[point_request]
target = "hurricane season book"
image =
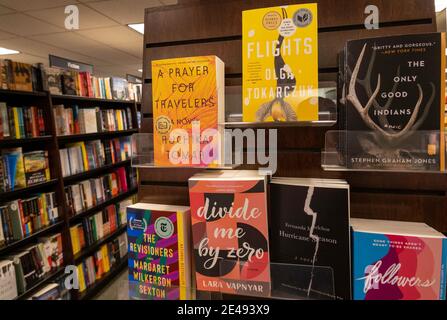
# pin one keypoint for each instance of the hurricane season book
(230, 232)
(188, 106)
(395, 260)
(280, 63)
(309, 228)
(395, 103)
(159, 252)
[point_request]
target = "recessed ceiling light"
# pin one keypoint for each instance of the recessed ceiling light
(440, 5)
(140, 70)
(138, 27)
(8, 51)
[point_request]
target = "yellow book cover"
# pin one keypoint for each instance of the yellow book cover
(188, 105)
(74, 239)
(280, 63)
(15, 112)
(119, 117)
(81, 279)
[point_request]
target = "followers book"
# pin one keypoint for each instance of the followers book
(280, 63)
(159, 252)
(312, 232)
(395, 98)
(230, 232)
(394, 260)
(188, 106)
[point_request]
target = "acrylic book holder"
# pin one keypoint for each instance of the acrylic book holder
(288, 282)
(142, 151)
(327, 115)
(418, 151)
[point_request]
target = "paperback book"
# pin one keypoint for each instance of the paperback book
(280, 63)
(394, 260)
(309, 228)
(188, 106)
(159, 252)
(395, 103)
(230, 232)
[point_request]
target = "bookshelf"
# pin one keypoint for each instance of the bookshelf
(57, 183)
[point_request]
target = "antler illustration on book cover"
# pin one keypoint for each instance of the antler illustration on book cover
(395, 99)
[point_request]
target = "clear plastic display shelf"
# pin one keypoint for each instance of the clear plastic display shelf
(287, 282)
(325, 96)
(385, 151)
(142, 156)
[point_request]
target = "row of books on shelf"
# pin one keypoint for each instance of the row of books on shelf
(93, 268)
(84, 156)
(249, 238)
(24, 269)
(55, 290)
(21, 122)
(84, 84)
(26, 77)
(22, 217)
(20, 169)
(75, 120)
(99, 225)
(89, 193)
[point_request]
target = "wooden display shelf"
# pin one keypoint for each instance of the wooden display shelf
(95, 136)
(101, 283)
(28, 239)
(23, 93)
(76, 218)
(10, 142)
(47, 278)
(16, 194)
(91, 249)
(81, 98)
(94, 172)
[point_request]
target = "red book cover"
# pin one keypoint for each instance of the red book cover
(122, 179)
(112, 217)
(230, 232)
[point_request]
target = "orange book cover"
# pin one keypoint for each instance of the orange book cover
(188, 105)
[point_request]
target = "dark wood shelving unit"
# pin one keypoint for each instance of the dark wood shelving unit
(46, 278)
(76, 218)
(6, 143)
(101, 283)
(52, 143)
(16, 194)
(94, 136)
(95, 246)
(29, 239)
(95, 172)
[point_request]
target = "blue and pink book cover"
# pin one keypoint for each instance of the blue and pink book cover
(153, 254)
(398, 267)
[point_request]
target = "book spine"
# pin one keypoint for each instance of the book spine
(181, 256)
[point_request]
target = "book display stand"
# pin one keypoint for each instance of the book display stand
(420, 151)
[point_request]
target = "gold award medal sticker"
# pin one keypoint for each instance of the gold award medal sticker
(272, 20)
(163, 125)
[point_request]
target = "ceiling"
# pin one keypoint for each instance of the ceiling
(36, 28)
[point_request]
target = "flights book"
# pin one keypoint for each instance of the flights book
(280, 63)
(159, 252)
(395, 100)
(395, 260)
(188, 106)
(230, 232)
(309, 228)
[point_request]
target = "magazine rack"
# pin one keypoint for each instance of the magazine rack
(142, 151)
(288, 282)
(327, 115)
(417, 151)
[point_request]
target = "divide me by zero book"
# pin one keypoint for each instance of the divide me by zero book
(159, 252)
(309, 232)
(188, 106)
(230, 232)
(395, 102)
(280, 63)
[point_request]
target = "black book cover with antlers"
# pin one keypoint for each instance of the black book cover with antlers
(394, 94)
(310, 238)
